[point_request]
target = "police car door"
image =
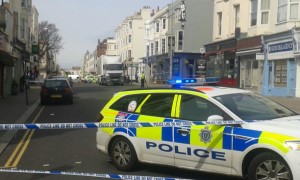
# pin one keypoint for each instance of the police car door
(200, 146)
(156, 143)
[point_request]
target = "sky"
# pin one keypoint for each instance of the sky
(82, 22)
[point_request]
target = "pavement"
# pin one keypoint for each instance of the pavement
(15, 110)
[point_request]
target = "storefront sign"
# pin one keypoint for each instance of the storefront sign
(281, 47)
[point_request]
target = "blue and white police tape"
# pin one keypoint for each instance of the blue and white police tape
(111, 125)
(107, 176)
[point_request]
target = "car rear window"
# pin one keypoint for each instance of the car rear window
(56, 83)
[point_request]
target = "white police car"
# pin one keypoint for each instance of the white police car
(208, 128)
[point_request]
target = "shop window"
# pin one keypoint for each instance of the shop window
(280, 73)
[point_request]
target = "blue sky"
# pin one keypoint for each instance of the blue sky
(82, 22)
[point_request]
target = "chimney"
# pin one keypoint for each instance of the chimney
(157, 9)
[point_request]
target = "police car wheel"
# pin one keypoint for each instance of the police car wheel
(123, 154)
(269, 166)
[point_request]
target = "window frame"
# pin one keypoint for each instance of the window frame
(282, 6)
(220, 16)
(262, 11)
(294, 3)
(180, 40)
(253, 13)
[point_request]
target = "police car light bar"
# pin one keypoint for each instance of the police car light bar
(194, 81)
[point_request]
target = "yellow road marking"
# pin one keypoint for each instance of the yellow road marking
(25, 138)
(23, 149)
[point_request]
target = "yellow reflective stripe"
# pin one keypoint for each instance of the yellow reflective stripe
(174, 106)
(216, 141)
(276, 140)
(153, 133)
(138, 110)
(178, 106)
(109, 117)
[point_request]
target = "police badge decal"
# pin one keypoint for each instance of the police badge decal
(205, 135)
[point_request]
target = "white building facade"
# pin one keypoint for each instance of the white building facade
(243, 29)
(130, 40)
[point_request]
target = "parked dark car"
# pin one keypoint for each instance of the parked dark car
(56, 90)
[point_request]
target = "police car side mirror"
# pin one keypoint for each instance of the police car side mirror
(214, 118)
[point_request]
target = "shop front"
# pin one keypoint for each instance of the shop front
(222, 62)
(184, 65)
(251, 70)
(281, 65)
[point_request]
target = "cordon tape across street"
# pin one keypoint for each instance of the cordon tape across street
(114, 125)
(108, 176)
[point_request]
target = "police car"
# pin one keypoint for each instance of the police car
(223, 130)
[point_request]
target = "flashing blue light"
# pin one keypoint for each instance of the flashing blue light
(178, 81)
(182, 81)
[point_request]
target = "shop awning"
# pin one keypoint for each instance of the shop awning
(6, 58)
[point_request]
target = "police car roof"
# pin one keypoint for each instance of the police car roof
(216, 90)
(211, 91)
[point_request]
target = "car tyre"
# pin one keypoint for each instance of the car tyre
(123, 154)
(269, 166)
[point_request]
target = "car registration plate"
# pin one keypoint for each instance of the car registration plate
(56, 96)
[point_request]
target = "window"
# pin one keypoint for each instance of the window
(23, 3)
(197, 109)
(164, 22)
(280, 73)
(129, 38)
(158, 105)
(237, 16)
(282, 11)
(180, 40)
(148, 50)
(265, 7)
(253, 16)
(294, 11)
(122, 103)
(157, 27)
(22, 28)
(163, 46)
(156, 47)
(219, 23)
(130, 24)
(129, 53)
(152, 49)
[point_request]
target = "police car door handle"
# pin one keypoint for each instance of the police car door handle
(183, 132)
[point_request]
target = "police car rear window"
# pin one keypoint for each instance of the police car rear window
(123, 103)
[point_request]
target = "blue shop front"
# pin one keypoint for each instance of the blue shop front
(281, 64)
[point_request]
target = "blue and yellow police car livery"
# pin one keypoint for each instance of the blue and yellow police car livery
(265, 145)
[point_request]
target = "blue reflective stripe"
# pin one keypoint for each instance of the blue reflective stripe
(167, 133)
(114, 176)
(178, 138)
(244, 138)
(31, 126)
(127, 118)
(227, 138)
(146, 124)
(91, 125)
(132, 118)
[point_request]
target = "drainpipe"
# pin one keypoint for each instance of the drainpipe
(265, 88)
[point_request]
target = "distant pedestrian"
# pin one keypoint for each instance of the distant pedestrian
(142, 79)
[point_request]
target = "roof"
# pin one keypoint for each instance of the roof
(210, 91)
(217, 90)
